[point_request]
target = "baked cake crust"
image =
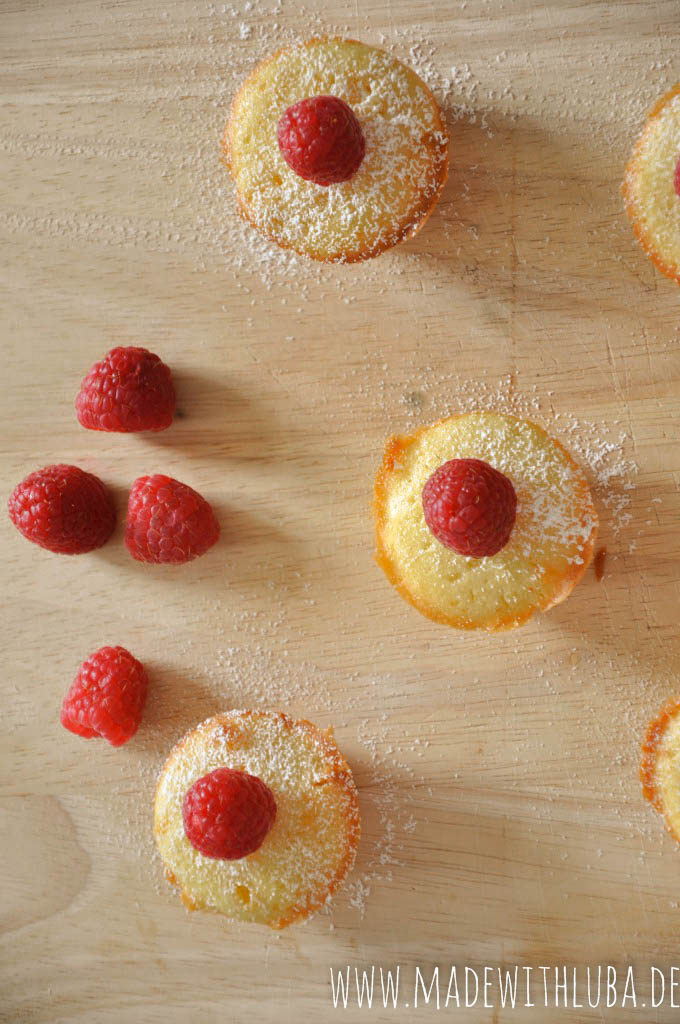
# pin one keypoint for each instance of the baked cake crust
(548, 552)
(398, 182)
(648, 187)
(660, 765)
(312, 844)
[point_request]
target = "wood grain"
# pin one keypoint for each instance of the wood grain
(503, 820)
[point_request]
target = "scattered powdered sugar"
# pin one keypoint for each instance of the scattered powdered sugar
(395, 805)
(186, 91)
(602, 451)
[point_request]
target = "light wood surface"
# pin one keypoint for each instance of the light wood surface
(502, 815)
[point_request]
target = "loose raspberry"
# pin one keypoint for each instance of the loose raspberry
(321, 140)
(228, 813)
(469, 506)
(676, 179)
(64, 509)
(130, 390)
(107, 697)
(168, 521)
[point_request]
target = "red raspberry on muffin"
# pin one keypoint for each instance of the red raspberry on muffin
(321, 140)
(469, 506)
(228, 813)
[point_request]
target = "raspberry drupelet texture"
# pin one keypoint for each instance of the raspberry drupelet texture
(130, 390)
(64, 509)
(168, 521)
(228, 813)
(321, 139)
(469, 506)
(107, 697)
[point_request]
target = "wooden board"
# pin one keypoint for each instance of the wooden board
(502, 815)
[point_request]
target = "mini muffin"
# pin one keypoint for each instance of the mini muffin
(285, 834)
(651, 188)
(342, 103)
(660, 767)
(482, 520)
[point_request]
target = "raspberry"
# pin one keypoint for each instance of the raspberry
(228, 813)
(676, 179)
(64, 509)
(168, 521)
(130, 390)
(469, 506)
(321, 140)
(107, 697)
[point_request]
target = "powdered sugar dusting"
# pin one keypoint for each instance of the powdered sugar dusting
(312, 842)
(602, 449)
(651, 196)
(186, 88)
(552, 534)
(397, 181)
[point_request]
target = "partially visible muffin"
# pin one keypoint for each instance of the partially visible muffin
(660, 767)
(651, 188)
(546, 534)
(310, 839)
(399, 177)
